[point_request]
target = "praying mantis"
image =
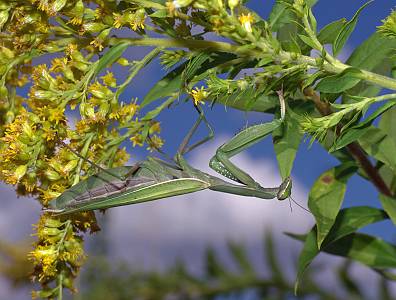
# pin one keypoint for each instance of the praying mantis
(154, 178)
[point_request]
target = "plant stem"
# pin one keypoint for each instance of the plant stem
(335, 67)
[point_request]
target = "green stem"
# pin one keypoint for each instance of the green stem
(138, 66)
(84, 152)
(385, 97)
(335, 67)
(147, 3)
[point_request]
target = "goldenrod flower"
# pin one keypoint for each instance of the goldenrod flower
(171, 8)
(155, 127)
(137, 140)
(118, 20)
(138, 20)
(155, 143)
(97, 43)
(109, 79)
(129, 110)
(246, 21)
(199, 95)
(57, 115)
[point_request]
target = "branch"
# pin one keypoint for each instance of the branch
(354, 148)
(335, 67)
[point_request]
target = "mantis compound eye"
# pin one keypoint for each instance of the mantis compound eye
(285, 189)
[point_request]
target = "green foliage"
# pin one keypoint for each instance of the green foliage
(239, 278)
(334, 102)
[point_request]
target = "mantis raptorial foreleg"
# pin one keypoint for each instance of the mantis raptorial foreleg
(221, 161)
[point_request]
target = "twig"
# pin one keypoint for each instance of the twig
(354, 148)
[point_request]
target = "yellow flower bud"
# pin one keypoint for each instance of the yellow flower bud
(52, 175)
(52, 223)
(20, 172)
(123, 62)
(233, 3)
(70, 166)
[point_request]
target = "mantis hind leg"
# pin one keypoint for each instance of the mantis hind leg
(132, 171)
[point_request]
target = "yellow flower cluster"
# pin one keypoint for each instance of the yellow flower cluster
(58, 250)
(199, 95)
(65, 103)
(135, 19)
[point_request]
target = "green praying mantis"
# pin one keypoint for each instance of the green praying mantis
(154, 178)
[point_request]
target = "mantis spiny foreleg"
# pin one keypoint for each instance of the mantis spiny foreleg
(221, 161)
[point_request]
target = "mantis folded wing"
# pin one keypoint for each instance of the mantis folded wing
(156, 179)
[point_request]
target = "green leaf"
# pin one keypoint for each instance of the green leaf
(348, 221)
(374, 54)
(282, 13)
(326, 196)
(308, 253)
(168, 85)
(287, 139)
(389, 205)
(214, 268)
(271, 257)
(172, 82)
(371, 251)
(339, 82)
(353, 133)
(110, 57)
(388, 122)
(346, 31)
(329, 33)
(161, 13)
(193, 65)
(240, 257)
(287, 25)
(155, 112)
(307, 40)
(380, 146)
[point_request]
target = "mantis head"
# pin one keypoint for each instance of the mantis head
(285, 189)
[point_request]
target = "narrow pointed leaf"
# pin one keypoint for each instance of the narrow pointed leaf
(371, 251)
(326, 196)
(388, 121)
(110, 57)
(346, 31)
(355, 132)
(329, 33)
(389, 205)
(282, 13)
(241, 259)
(172, 82)
(348, 221)
(271, 257)
(374, 54)
(287, 139)
(340, 82)
(380, 146)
